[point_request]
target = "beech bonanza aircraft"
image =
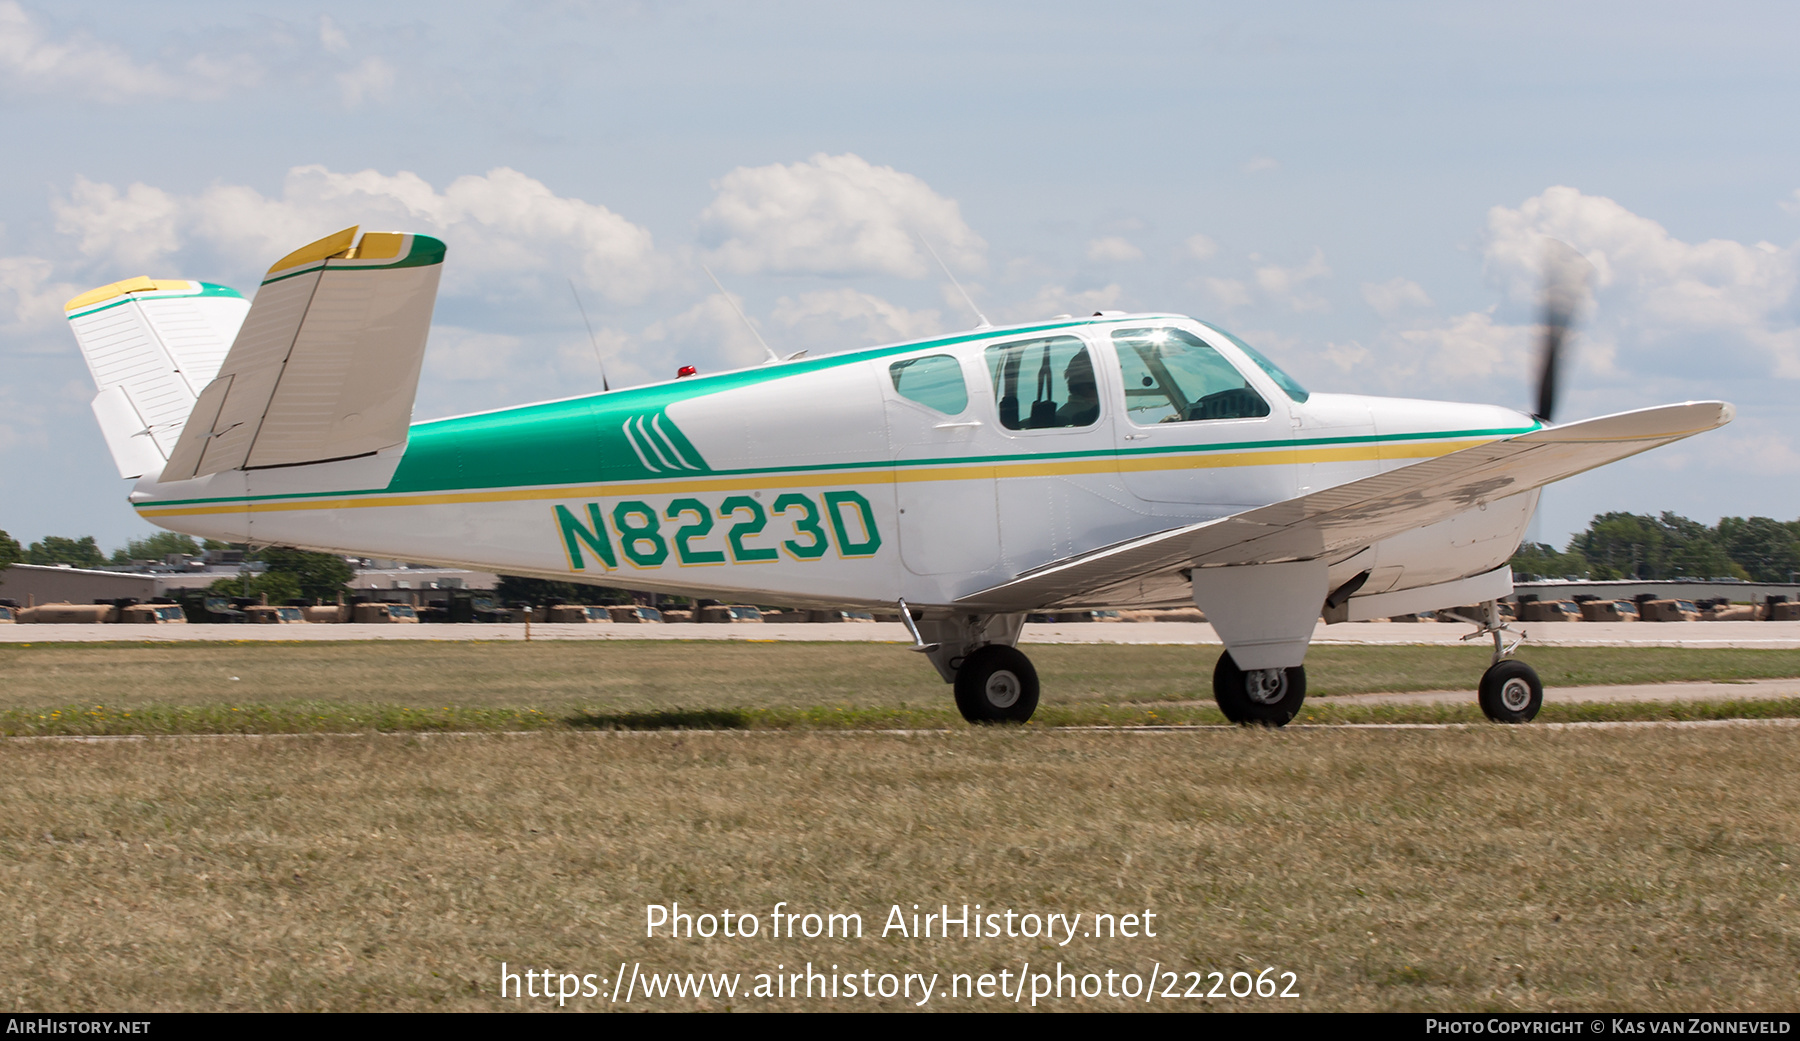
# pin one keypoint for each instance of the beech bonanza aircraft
(1116, 460)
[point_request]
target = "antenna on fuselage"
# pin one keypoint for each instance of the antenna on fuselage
(945, 268)
(741, 316)
(604, 386)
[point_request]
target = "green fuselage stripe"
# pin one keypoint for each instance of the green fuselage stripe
(968, 461)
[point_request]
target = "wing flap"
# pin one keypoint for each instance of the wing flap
(1350, 516)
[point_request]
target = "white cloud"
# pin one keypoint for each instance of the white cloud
(468, 370)
(509, 234)
(1261, 164)
(1396, 294)
(834, 215)
(711, 336)
(370, 80)
(1229, 292)
(79, 66)
(1792, 205)
(1468, 346)
(1054, 300)
(29, 298)
(1347, 357)
(133, 229)
(1650, 284)
(1200, 247)
(1113, 249)
(331, 37)
(842, 319)
(1287, 284)
(466, 354)
(1759, 448)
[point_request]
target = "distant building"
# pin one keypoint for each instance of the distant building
(43, 584)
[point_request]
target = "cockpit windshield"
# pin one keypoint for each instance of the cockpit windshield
(1289, 386)
(1171, 376)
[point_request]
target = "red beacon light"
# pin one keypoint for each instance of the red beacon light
(685, 371)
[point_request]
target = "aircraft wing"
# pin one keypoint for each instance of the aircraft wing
(1338, 521)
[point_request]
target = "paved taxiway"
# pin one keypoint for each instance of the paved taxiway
(1760, 635)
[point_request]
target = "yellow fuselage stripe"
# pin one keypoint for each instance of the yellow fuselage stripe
(816, 479)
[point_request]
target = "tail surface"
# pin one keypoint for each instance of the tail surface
(326, 364)
(152, 346)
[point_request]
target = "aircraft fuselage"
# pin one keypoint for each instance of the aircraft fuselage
(928, 470)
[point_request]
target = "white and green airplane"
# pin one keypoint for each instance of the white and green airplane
(1116, 460)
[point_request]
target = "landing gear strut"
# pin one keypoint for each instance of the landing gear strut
(1510, 690)
(1258, 697)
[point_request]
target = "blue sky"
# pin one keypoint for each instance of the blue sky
(1361, 190)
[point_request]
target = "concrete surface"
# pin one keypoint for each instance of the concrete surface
(1765, 635)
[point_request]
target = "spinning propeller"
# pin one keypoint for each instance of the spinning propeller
(1567, 275)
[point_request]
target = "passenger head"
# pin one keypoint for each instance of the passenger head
(1079, 373)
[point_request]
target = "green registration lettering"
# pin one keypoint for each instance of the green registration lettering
(701, 526)
(576, 534)
(634, 537)
(758, 520)
(807, 525)
(835, 503)
(846, 520)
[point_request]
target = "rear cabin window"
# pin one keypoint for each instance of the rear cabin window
(1043, 384)
(1170, 376)
(935, 381)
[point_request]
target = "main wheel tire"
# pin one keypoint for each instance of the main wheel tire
(996, 684)
(1511, 692)
(1256, 698)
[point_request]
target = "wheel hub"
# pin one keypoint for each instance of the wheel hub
(1265, 686)
(1003, 689)
(1515, 694)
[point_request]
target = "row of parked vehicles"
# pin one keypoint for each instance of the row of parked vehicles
(212, 609)
(1645, 609)
(208, 608)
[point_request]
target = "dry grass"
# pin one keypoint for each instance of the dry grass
(1498, 868)
(63, 689)
(564, 678)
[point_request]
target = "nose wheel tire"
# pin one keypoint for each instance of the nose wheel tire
(996, 684)
(1511, 692)
(1259, 697)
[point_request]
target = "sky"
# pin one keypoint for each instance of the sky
(1363, 191)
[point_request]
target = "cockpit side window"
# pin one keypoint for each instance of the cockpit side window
(935, 381)
(1171, 376)
(1043, 384)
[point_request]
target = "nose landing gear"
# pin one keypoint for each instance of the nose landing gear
(1511, 692)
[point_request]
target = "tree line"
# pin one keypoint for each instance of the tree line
(1640, 546)
(287, 574)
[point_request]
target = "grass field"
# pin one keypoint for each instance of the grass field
(54, 689)
(1487, 868)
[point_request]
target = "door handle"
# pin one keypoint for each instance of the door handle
(965, 424)
(1136, 437)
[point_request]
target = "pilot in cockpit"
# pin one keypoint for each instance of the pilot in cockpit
(1083, 406)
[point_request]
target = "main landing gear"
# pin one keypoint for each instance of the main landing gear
(1258, 697)
(996, 684)
(993, 680)
(1510, 690)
